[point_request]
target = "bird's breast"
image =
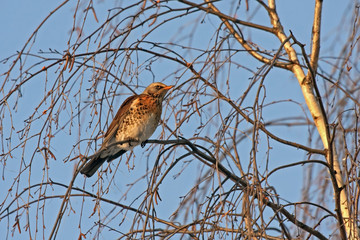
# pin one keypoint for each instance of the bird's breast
(141, 120)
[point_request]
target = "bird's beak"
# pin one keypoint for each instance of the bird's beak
(168, 87)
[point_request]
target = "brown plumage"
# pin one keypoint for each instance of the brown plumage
(135, 121)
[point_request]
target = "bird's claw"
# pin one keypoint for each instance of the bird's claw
(131, 141)
(143, 144)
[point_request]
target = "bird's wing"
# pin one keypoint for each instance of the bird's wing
(111, 132)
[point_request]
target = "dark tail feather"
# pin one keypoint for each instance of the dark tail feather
(96, 161)
(93, 165)
(118, 154)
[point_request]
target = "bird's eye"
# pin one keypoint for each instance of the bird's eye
(158, 87)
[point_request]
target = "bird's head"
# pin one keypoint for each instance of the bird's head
(157, 89)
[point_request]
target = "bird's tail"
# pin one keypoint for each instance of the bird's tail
(96, 161)
(93, 165)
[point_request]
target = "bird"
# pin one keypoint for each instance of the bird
(134, 123)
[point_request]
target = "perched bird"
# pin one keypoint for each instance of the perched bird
(135, 122)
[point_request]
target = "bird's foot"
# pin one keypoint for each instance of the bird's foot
(143, 143)
(132, 141)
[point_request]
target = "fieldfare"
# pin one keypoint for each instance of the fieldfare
(135, 121)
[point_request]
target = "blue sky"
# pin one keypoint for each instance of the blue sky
(18, 20)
